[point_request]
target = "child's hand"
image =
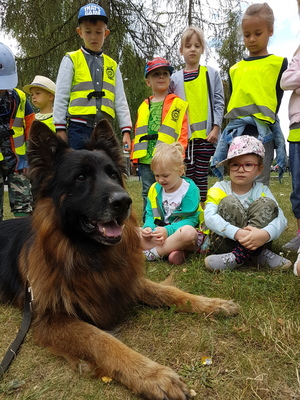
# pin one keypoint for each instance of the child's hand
(147, 233)
(256, 238)
(159, 234)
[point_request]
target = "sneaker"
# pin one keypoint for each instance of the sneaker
(220, 262)
(272, 260)
(177, 257)
(150, 256)
(292, 245)
(296, 268)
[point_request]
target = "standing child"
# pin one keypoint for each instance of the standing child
(242, 213)
(172, 211)
(161, 119)
(202, 88)
(42, 92)
(291, 81)
(89, 84)
(256, 93)
(16, 116)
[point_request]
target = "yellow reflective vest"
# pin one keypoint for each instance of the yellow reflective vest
(254, 85)
(18, 137)
(294, 133)
(82, 86)
(171, 129)
(198, 104)
(49, 123)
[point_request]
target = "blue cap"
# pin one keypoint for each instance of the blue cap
(157, 62)
(8, 69)
(92, 10)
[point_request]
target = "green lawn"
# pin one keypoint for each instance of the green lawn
(255, 355)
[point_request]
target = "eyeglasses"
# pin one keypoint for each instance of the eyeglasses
(248, 167)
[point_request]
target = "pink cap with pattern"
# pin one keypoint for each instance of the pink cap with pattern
(244, 145)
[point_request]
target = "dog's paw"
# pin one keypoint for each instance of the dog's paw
(161, 383)
(227, 307)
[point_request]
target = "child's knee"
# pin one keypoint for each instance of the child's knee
(188, 233)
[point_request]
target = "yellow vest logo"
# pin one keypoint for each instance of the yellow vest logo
(110, 73)
(175, 114)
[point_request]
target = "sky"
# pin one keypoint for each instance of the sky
(283, 43)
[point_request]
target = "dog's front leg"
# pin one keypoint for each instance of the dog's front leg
(77, 340)
(156, 294)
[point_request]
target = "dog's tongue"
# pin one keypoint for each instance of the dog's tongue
(111, 229)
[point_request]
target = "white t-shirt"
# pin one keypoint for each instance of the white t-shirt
(171, 201)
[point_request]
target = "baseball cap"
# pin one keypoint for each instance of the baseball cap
(157, 62)
(42, 82)
(8, 68)
(92, 10)
(243, 145)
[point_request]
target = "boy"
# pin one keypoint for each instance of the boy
(242, 213)
(16, 116)
(89, 84)
(161, 118)
(42, 92)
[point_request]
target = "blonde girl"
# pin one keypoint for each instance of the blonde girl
(172, 210)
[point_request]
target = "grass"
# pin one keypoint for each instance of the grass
(255, 355)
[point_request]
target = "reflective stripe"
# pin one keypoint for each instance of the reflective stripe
(142, 130)
(198, 126)
(82, 86)
(156, 213)
(18, 122)
(261, 112)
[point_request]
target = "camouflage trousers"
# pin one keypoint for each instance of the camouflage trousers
(259, 214)
(19, 192)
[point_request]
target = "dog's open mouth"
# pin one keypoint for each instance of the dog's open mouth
(104, 232)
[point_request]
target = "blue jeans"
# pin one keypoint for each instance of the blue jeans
(78, 134)
(294, 153)
(148, 179)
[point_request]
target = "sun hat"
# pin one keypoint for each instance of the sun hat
(41, 82)
(243, 145)
(8, 68)
(158, 62)
(92, 10)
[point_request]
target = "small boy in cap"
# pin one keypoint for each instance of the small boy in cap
(16, 117)
(161, 118)
(89, 84)
(42, 92)
(242, 214)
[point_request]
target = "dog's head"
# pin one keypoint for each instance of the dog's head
(86, 186)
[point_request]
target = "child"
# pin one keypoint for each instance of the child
(42, 92)
(242, 213)
(291, 81)
(16, 116)
(161, 118)
(202, 88)
(172, 211)
(89, 84)
(256, 95)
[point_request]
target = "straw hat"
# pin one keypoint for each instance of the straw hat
(41, 82)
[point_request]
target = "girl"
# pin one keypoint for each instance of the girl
(256, 94)
(243, 214)
(202, 87)
(291, 81)
(172, 210)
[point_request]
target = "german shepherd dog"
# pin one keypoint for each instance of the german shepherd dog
(80, 254)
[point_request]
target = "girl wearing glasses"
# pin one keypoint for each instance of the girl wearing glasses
(242, 214)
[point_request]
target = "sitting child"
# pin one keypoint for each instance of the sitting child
(172, 210)
(242, 214)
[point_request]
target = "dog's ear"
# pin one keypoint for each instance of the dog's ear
(104, 138)
(43, 148)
